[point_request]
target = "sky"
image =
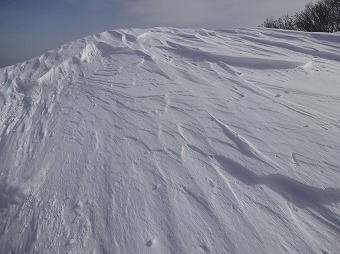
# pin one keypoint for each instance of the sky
(28, 28)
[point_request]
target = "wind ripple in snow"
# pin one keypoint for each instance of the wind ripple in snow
(172, 140)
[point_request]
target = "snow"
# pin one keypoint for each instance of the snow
(172, 140)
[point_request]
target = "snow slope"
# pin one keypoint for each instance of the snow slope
(173, 141)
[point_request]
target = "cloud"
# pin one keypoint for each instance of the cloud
(176, 11)
(166, 12)
(209, 13)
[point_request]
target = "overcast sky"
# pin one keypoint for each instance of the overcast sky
(29, 28)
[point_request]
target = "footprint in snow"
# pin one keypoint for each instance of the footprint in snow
(71, 241)
(156, 187)
(150, 242)
(212, 183)
(205, 248)
(295, 159)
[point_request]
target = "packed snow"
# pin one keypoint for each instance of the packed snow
(171, 140)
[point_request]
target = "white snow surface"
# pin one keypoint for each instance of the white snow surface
(171, 140)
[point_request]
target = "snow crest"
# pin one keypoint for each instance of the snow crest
(172, 140)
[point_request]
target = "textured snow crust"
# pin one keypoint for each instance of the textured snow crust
(171, 140)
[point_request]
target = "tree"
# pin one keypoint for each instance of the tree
(335, 13)
(284, 22)
(315, 18)
(324, 16)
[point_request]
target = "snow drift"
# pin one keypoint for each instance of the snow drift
(173, 141)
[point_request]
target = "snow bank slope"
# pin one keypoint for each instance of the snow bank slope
(173, 141)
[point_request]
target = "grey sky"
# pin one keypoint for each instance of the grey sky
(29, 28)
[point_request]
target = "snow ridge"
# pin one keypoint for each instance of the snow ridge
(169, 140)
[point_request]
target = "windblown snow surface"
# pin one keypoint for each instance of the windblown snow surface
(173, 141)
